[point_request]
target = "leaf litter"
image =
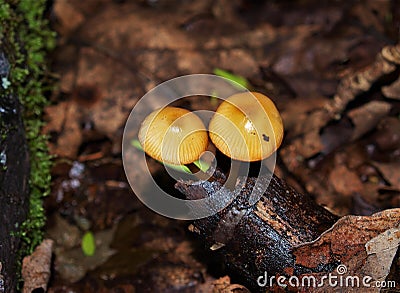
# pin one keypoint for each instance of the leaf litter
(332, 69)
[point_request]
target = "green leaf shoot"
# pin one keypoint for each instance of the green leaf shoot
(236, 79)
(88, 244)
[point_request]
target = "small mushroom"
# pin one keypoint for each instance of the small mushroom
(246, 127)
(173, 135)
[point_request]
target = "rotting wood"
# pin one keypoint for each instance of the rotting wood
(286, 234)
(258, 238)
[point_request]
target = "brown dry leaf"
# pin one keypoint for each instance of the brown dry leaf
(392, 91)
(321, 133)
(127, 29)
(355, 156)
(366, 117)
(102, 99)
(68, 17)
(345, 181)
(370, 193)
(381, 250)
(245, 64)
(36, 268)
(64, 127)
(292, 159)
(297, 111)
(355, 242)
(116, 90)
(387, 136)
(372, 13)
(291, 54)
(63, 233)
(223, 285)
(309, 145)
(391, 172)
(65, 59)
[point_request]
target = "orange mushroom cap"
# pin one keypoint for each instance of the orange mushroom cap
(173, 135)
(247, 127)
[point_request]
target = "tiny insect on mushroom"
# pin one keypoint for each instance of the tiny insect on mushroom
(173, 135)
(246, 127)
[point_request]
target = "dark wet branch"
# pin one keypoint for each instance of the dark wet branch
(254, 238)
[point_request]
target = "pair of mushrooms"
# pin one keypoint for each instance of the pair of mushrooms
(245, 127)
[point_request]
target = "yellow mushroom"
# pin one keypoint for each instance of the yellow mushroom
(247, 127)
(173, 135)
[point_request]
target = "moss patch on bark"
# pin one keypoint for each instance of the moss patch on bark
(25, 38)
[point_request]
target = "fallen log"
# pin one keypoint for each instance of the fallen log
(278, 235)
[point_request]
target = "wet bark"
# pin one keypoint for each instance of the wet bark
(14, 175)
(258, 238)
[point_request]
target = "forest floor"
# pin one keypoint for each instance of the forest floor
(341, 144)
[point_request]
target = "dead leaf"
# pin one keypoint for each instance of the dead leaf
(346, 240)
(392, 91)
(344, 181)
(64, 128)
(381, 251)
(366, 117)
(309, 145)
(371, 13)
(223, 285)
(391, 172)
(297, 111)
(68, 17)
(36, 268)
(387, 134)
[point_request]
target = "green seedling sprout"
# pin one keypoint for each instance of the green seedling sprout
(88, 244)
(236, 79)
(214, 98)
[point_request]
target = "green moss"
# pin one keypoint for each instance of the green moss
(26, 38)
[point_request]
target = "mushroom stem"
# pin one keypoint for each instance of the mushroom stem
(234, 173)
(197, 169)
